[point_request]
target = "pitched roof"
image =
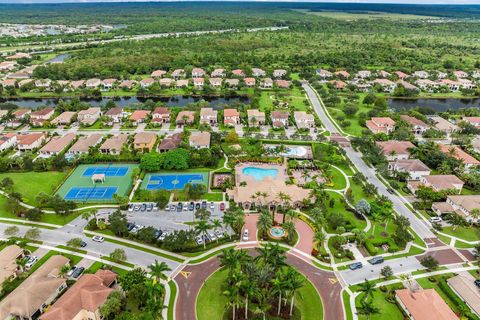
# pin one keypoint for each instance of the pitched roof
(114, 112)
(280, 115)
(144, 137)
(57, 144)
(115, 142)
(64, 117)
(170, 142)
(459, 154)
(425, 304)
(88, 293)
(231, 113)
(443, 181)
(29, 138)
(468, 202)
(200, 138)
(398, 147)
(413, 121)
(84, 143)
(41, 112)
(410, 165)
(466, 289)
(139, 115)
(8, 264)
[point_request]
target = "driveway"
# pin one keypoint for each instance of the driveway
(444, 257)
(251, 224)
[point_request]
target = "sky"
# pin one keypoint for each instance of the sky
(451, 2)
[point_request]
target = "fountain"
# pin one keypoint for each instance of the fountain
(277, 233)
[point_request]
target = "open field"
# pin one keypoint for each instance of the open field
(370, 15)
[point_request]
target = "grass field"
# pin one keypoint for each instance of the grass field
(295, 97)
(387, 310)
(211, 304)
(76, 180)
(31, 183)
(370, 15)
(465, 233)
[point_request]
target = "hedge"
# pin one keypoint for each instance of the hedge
(442, 284)
(372, 250)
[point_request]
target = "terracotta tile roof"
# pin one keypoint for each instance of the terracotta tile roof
(410, 165)
(117, 111)
(231, 113)
(200, 139)
(42, 112)
(467, 290)
(161, 110)
(64, 118)
(83, 144)
(158, 73)
(413, 121)
(170, 142)
(8, 264)
(280, 115)
(459, 154)
(57, 144)
(398, 147)
(21, 112)
(139, 115)
(443, 182)
(144, 138)
(425, 304)
(29, 138)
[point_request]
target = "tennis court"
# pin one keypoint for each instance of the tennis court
(90, 193)
(79, 186)
(173, 181)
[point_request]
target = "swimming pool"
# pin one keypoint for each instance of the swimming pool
(291, 151)
(260, 173)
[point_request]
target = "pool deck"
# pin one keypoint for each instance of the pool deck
(308, 151)
(240, 177)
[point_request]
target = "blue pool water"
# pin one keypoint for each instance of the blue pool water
(260, 173)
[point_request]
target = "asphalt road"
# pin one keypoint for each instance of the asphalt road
(417, 225)
(62, 235)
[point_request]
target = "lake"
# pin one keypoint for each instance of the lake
(438, 105)
(58, 59)
(174, 101)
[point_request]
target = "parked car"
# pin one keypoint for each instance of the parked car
(219, 234)
(149, 207)
(70, 271)
(77, 272)
(212, 236)
(197, 205)
(155, 207)
(163, 236)
(130, 226)
(212, 205)
(204, 204)
(136, 207)
(167, 207)
(245, 235)
(158, 233)
(143, 207)
(376, 260)
(185, 206)
(98, 238)
(198, 240)
(355, 266)
(130, 207)
(191, 206)
(173, 207)
(31, 260)
(83, 244)
(179, 207)
(222, 206)
(435, 219)
(477, 283)
(391, 191)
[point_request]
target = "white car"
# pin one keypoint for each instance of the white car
(98, 238)
(212, 236)
(435, 219)
(212, 205)
(245, 235)
(31, 261)
(167, 207)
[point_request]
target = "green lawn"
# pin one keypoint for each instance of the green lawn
(387, 310)
(338, 180)
(211, 304)
(346, 305)
(339, 207)
(31, 183)
(295, 97)
(73, 259)
(465, 233)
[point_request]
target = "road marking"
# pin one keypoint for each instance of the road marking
(185, 274)
(333, 280)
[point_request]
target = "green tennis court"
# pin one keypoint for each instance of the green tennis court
(80, 187)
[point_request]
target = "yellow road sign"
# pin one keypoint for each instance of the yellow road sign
(185, 274)
(333, 280)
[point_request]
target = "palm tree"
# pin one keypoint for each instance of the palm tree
(290, 214)
(249, 288)
(387, 216)
(264, 222)
(229, 221)
(375, 216)
(232, 259)
(86, 215)
(289, 226)
(157, 269)
(262, 306)
(294, 282)
(320, 237)
(216, 223)
(202, 228)
(278, 286)
(368, 288)
(367, 308)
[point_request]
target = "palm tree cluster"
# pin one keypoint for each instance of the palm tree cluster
(262, 285)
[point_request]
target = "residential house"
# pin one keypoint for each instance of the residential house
(249, 82)
(115, 115)
(279, 73)
(170, 143)
(232, 83)
(384, 74)
(65, 118)
(43, 83)
(256, 72)
(238, 73)
(458, 153)
(231, 117)
(139, 116)
(338, 84)
(462, 205)
(144, 141)
(158, 73)
(407, 85)
(208, 116)
(84, 299)
(283, 84)
(161, 115)
(342, 74)
(29, 300)
(467, 84)
(84, 143)
(444, 125)
(304, 120)
(395, 150)
(30, 141)
(460, 74)
(182, 83)
(441, 75)
(421, 74)
(452, 85)
(427, 84)
(280, 119)
(7, 65)
(178, 73)
(200, 140)
(9, 83)
(21, 113)
(381, 125)
(474, 121)
(401, 75)
(114, 145)
(413, 167)
(19, 55)
(215, 82)
(218, 73)
(127, 84)
(424, 304)
(198, 73)
(363, 74)
(418, 126)
(266, 83)
(39, 117)
(108, 84)
(255, 117)
(387, 85)
(7, 140)
(467, 291)
(437, 183)
(185, 117)
(93, 83)
(89, 116)
(19, 75)
(324, 74)
(476, 144)
(168, 82)
(57, 144)
(198, 83)
(147, 82)
(9, 268)
(25, 82)
(75, 85)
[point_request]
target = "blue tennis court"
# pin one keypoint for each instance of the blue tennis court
(174, 181)
(90, 193)
(107, 171)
